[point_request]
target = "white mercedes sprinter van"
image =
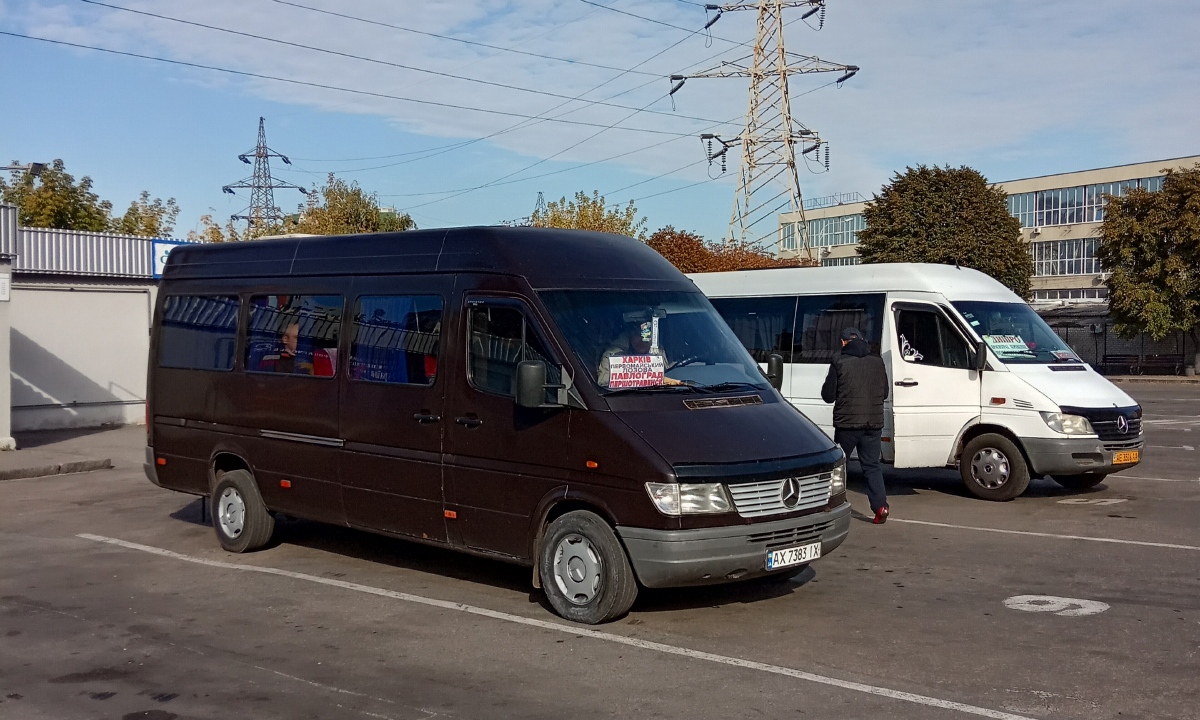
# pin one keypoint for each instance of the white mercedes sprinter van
(979, 381)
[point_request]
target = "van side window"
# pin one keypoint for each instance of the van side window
(764, 325)
(294, 334)
(198, 332)
(396, 339)
(820, 320)
(499, 337)
(927, 338)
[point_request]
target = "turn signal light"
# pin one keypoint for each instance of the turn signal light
(450, 514)
(161, 461)
(285, 483)
(592, 464)
(998, 401)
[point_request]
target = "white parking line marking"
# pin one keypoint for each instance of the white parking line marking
(1067, 607)
(577, 630)
(1091, 501)
(1047, 535)
(1116, 476)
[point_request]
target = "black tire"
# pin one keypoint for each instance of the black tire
(236, 494)
(993, 468)
(589, 549)
(1079, 482)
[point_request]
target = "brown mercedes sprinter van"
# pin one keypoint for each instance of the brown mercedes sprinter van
(564, 400)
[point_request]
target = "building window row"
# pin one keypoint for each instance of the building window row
(1068, 206)
(1065, 257)
(1072, 294)
(789, 237)
(839, 261)
(841, 230)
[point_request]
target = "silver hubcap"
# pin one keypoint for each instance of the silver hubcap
(577, 569)
(990, 468)
(231, 512)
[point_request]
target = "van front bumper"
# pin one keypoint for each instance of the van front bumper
(709, 556)
(1077, 456)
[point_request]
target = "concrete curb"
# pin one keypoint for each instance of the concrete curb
(69, 468)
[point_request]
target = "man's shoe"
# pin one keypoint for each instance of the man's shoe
(881, 515)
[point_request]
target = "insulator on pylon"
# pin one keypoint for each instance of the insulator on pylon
(821, 19)
(826, 156)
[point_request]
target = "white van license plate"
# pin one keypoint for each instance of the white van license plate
(793, 556)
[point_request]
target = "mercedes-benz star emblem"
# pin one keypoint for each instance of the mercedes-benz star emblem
(1122, 424)
(789, 493)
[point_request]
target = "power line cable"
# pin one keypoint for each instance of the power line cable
(454, 39)
(402, 66)
(336, 88)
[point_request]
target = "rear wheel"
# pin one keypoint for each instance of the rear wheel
(1079, 482)
(584, 570)
(993, 468)
(239, 516)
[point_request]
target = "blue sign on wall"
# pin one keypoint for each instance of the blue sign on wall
(161, 249)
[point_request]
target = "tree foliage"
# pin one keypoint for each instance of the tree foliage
(55, 200)
(591, 213)
(1150, 242)
(148, 218)
(691, 254)
(344, 208)
(950, 216)
(211, 231)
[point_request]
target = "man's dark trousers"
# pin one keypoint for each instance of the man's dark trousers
(867, 442)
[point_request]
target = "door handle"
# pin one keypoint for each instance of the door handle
(906, 382)
(425, 418)
(469, 422)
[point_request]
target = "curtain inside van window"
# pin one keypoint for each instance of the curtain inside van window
(821, 319)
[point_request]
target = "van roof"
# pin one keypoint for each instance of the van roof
(546, 257)
(954, 282)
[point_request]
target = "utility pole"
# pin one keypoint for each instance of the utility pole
(539, 208)
(262, 213)
(770, 138)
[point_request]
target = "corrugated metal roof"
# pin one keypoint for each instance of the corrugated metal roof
(73, 252)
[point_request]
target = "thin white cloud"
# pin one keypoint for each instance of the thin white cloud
(943, 81)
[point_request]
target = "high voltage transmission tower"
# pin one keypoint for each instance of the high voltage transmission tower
(262, 213)
(771, 136)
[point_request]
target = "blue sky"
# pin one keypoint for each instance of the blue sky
(1015, 89)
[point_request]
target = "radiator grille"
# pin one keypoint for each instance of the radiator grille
(768, 497)
(791, 536)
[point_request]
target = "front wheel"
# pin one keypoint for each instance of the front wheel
(584, 570)
(1079, 482)
(242, 521)
(993, 468)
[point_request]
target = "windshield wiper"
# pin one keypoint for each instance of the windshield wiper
(652, 388)
(723, 386)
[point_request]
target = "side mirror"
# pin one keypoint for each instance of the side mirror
(531, 384)
(775, 370)
(980, 356)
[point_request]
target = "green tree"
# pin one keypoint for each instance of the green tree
(949, 216)
(591, 213)
(344, 208)
(55, 200)
(1150, 243)
(210, 231)
(148, 218)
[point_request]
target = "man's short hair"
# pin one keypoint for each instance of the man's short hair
(851, 334)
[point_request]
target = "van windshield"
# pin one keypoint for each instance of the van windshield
(638, 340)
(1015, 332)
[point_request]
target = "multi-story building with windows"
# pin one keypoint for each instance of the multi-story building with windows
(1060, 220)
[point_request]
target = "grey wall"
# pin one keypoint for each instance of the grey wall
(78, 354)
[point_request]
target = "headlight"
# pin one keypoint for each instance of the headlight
(677, 499)
(1068, 424)
(838, 483)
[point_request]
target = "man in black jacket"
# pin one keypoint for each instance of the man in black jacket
(857, 385)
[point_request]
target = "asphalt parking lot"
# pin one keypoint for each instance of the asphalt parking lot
(116, 602)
